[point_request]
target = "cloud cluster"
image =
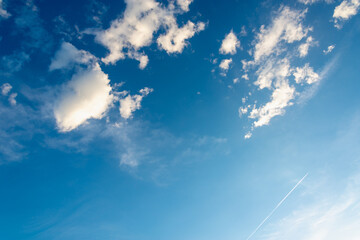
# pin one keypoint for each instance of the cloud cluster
(229, 44)
(271, 65)
(128, 34)
(88, 95)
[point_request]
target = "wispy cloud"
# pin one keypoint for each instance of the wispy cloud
(128, 34)
(327, 216)
(324, 73)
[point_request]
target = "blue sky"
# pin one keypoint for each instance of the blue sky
(183, 119)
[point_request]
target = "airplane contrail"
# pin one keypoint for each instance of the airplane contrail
(277, 206)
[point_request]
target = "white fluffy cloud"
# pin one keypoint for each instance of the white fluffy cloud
(68, 55)
(304, 48)
(329, 49)
(272, 70)
(175, 38)
(229, 44)
(306, 74)
(286, 26)
(184, 4)
(87, 95)
(345, 10)
(248, 135)
(308, 2)
(280, 98)
(5, 89)
(225, 64)
(131, 103)
(136, 29)
(3, 12)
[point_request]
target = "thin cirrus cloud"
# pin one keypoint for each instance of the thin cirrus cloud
(141, 20)
(325, 218)
(272, 68)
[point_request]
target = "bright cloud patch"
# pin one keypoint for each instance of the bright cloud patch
(304, 48)
(68, 55)
(272, 70)
(174, 40)
(136, 29)
(306, 74)
(280, 98)
(184, 4)
(131, 103)
(5, 89)
(87, 95)
(329, 49)
(3, 12)
(225, 64)
(345, 10)
(286, 27)
(275, 47)
(229, 44)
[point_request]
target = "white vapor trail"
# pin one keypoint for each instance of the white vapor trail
(277, 206)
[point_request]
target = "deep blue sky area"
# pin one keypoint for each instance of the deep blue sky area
(179, 120)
